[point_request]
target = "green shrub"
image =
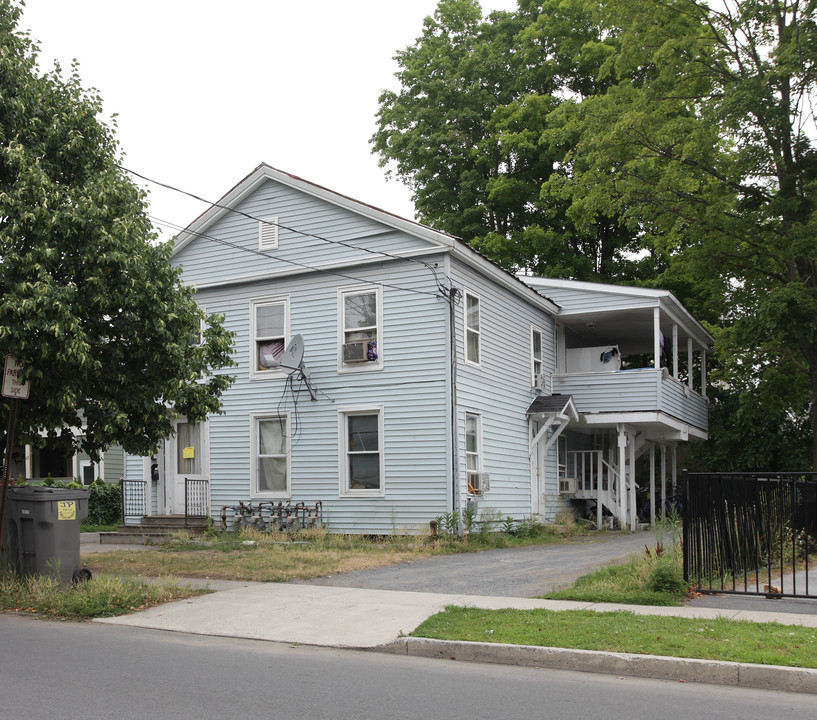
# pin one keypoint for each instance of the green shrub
(666, 578)
(104, 502)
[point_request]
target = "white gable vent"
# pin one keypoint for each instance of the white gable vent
(268, 234)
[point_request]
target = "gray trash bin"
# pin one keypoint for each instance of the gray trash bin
(42, 530)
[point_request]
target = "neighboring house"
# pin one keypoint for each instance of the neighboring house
(435, 381)
(63, 463)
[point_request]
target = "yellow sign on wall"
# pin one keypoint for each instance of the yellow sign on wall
(189, 453)
(66, 510)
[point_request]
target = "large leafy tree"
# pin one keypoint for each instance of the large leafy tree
(466, 133)
(704, 142)
(112, 342)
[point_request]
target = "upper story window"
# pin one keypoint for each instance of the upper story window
(472, 329)
(268, 234)
(536, 355)
(270, 330)
(361, 328)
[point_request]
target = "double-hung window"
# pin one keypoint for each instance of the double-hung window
(472, 329)
(536, 356)
(362, 470)
(473, 449)
(361, 329)
(270, 331)
(270, 448)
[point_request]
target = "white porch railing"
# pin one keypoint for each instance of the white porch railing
(598, 480)
(639, 390)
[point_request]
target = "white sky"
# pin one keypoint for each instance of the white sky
(205, 91)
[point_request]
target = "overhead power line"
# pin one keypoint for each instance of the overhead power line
(441, 286)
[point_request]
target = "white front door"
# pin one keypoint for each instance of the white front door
(186, 460)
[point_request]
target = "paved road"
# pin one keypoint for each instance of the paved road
(92, 671)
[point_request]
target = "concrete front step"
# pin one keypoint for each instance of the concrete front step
(154, 530)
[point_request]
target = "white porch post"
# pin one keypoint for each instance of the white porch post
(656, 334)
(621, 498)
(674, 469)
(598, 471)
(703, 372)
(632, 515)
(533, 457)
(663, 482)
(675, 350)
(652, 484)
(689, 364)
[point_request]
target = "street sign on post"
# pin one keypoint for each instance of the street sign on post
(12, 387)
(16, 390)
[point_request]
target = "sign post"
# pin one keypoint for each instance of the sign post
(16, 390)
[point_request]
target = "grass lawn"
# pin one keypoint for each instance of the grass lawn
(251, 555)
(730, 640)
(652, 578)
(100, 597)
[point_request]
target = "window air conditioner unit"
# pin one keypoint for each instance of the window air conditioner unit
(479, 482)
(567, 486)
(354, 352)
(539, 381)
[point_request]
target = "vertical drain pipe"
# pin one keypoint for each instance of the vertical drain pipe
(455, 483)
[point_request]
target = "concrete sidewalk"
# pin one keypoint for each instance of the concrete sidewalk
(378, 620)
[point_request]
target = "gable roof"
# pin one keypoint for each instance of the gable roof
(458, 248)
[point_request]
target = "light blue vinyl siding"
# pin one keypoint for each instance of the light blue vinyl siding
(411, 388)
(500, 390)
(228, 250)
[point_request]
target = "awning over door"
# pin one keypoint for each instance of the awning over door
(554, 412)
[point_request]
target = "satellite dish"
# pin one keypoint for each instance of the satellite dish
(293, 355)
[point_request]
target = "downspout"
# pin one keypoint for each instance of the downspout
(455, 484)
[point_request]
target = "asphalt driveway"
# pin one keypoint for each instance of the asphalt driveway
(510, 572)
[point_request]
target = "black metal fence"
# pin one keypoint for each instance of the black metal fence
(752, 533)
(196, 499)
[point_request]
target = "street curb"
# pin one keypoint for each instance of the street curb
(712, 672)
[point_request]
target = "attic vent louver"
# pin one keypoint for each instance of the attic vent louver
(268, 234)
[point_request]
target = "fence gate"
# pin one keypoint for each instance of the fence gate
(752, 533)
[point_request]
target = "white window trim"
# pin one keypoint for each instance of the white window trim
(561, 453)
(343, 469)
(268, 233)
(533, 360)
(466, 330)
(82, 464)
(560, 353)
(368, 366)
(255, 373)
(479, 453)
(254, 448)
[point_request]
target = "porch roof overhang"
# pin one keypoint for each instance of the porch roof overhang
(656, 426)
(553, 412)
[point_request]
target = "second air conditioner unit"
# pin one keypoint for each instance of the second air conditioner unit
(355, 351)
(479, 482)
